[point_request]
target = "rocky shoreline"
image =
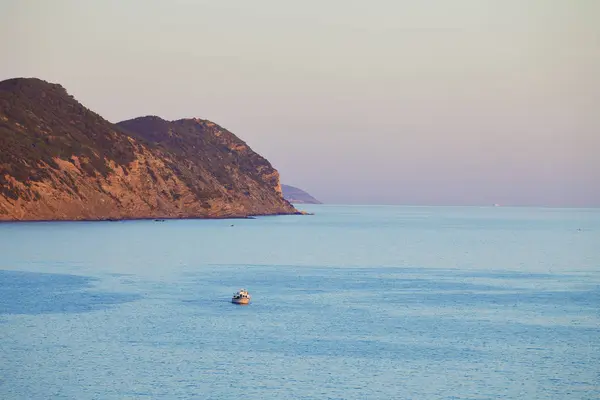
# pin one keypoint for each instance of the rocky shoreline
(156, 219)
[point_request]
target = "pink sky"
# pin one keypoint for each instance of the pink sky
(395, 102)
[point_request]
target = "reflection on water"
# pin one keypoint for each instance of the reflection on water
(43, 293)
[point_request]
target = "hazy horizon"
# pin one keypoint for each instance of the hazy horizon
(468, 102)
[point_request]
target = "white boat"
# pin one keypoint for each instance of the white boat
(241, 297)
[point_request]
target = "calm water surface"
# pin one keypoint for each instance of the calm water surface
(351, 303)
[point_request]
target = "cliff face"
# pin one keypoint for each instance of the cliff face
(298, 196)
(61, 161)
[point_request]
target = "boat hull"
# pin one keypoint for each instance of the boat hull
(240, 301)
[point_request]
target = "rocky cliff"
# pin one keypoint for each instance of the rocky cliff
(298, 196)
(61, 161)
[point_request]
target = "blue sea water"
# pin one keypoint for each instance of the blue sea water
(353, 302)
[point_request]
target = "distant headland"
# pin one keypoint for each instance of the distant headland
(298, 196)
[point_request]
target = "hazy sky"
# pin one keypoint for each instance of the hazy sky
(408, 102)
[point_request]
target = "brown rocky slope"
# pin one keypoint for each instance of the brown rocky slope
(61, 161)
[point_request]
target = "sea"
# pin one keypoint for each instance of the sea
(353, 302)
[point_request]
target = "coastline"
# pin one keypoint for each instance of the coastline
(155, 218)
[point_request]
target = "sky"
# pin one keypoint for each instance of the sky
(463, 102)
